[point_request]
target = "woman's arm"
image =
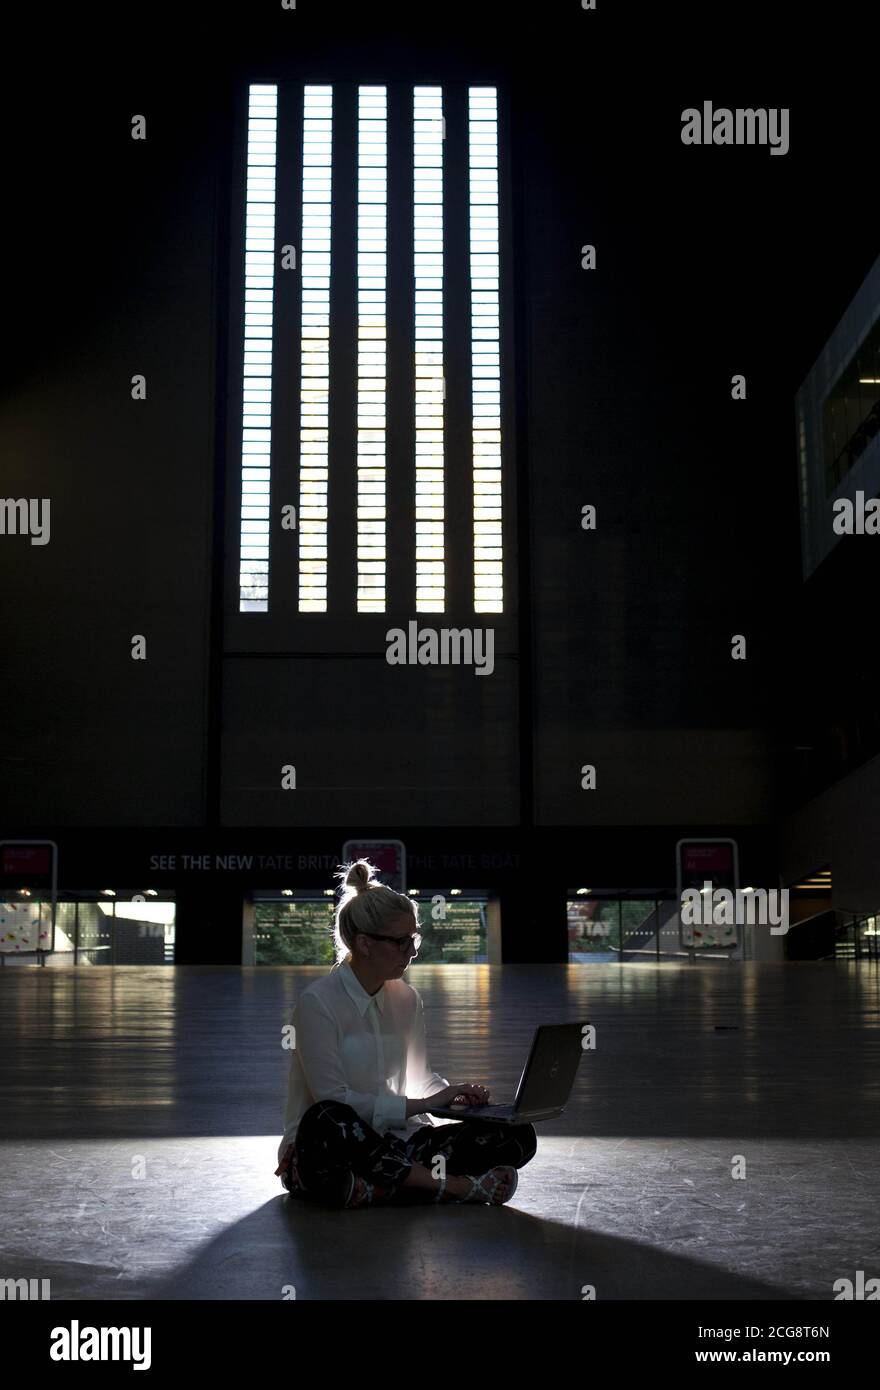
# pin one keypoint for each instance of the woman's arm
(415, 1107)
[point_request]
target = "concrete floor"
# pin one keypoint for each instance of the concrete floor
(141, 1110)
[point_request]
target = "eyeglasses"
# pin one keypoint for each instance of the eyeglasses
(401, 942)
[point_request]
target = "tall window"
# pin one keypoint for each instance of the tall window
(314, 395)
(435, 425)
(372, 347)
(259, 270)
(485, 350)
(429, 381)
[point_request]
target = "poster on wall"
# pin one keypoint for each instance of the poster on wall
(698, 863)
(28, 896)
(389, 856)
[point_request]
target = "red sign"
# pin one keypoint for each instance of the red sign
(27, 860)
(389, 857)
(699, 857)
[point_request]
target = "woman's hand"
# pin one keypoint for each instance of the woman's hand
(468, 1094)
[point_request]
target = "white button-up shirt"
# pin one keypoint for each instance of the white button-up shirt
(366, 1050)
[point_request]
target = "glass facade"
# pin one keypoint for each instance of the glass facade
(299, 930)
(851, 413)
(858, 939)
(89, 930)
(604, 928)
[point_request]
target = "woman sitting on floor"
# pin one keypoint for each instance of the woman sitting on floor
(354, 1133)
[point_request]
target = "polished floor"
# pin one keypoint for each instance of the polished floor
(721, 1142)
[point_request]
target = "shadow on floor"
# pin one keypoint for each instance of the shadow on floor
(430, 1252)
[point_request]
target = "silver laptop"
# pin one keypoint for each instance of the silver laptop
(544, 1087)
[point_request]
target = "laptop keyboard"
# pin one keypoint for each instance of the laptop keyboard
(483, 1109)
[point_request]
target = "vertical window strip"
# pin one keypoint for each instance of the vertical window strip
(429, 392)
(259, 279)
(372, 237)
(485, 349)
(315, 347)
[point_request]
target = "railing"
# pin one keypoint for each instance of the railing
(857, 936)
(851, 936)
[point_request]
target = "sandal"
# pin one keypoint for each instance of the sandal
(495, 1187)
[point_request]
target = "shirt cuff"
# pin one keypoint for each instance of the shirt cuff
(390, 1112)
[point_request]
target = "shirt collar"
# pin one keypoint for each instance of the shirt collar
(361, 998)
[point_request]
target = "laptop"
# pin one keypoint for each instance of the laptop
(544, 1087)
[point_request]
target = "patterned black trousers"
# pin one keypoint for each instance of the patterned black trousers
(333, 1143)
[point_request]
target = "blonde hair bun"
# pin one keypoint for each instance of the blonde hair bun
(360, 875)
